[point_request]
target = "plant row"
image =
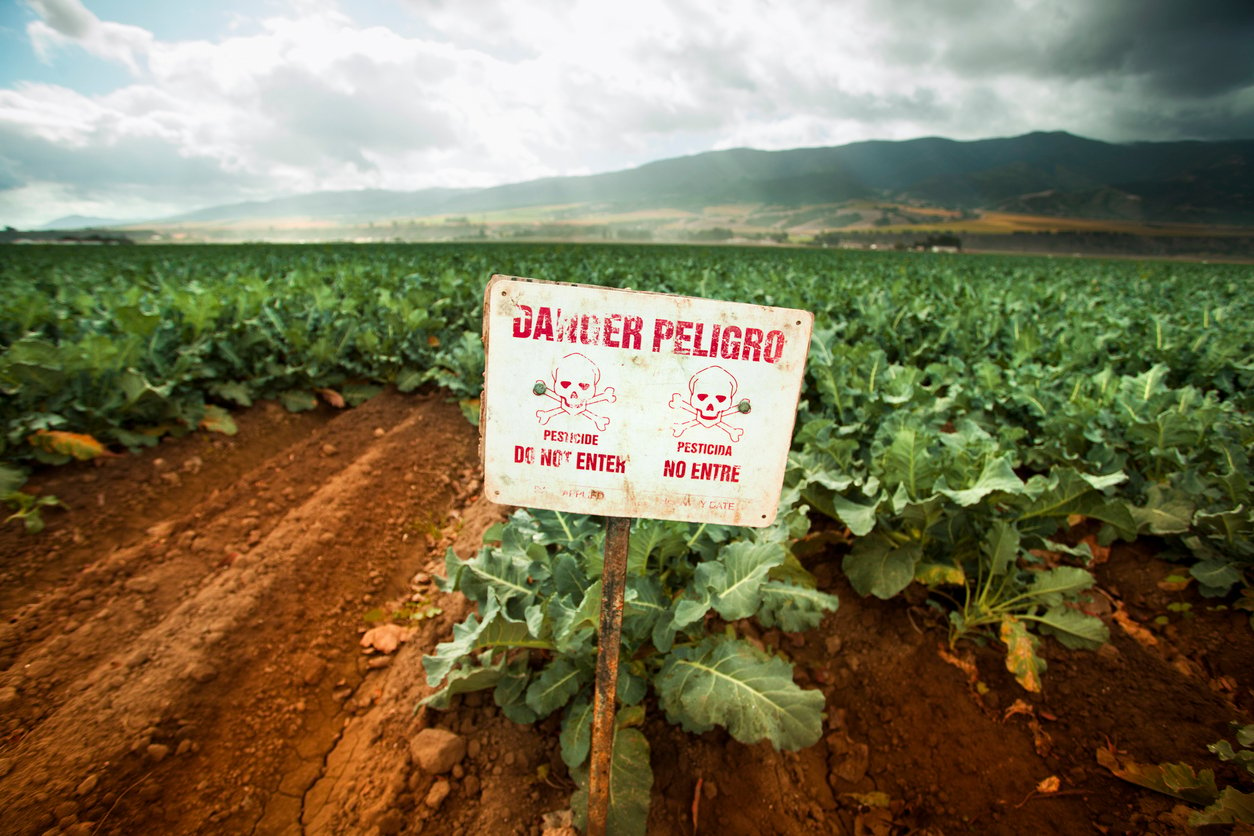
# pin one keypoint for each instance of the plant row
(962, 418)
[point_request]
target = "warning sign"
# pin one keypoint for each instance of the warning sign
(633, 404)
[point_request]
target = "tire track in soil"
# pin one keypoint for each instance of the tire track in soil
(215, 661)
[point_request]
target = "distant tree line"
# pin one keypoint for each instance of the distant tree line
(1081, 243)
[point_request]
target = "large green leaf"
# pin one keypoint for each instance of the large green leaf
(654, 538)
(511, 574)
(1179, 780)
(576, 736)
(860, 517)
(556, 684)
(1216, 574)
(574, 627)
(794, 608)
(559, 527)
(644, 603)
(1230, 807)
(731, 683)
(464, 680)
(1164, 512)
(568, 578)
(511, 690)
(1001, 547)
(876, 567)
(473, 635)
(631, 785)
(1052, 586)
(1067, 491)
(298, 400)
(735, 579)
(909, 462)
(1075, 629)
(997, 475)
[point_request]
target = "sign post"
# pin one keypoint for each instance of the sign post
(631, 404)
(610, 633)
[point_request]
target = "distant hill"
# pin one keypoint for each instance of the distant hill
(81, 222)
(1051, 174)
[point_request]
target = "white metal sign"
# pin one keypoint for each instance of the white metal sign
(632, 404)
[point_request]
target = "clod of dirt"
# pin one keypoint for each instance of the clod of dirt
(385, 638)
(161, 530)
(311, 668)
(202, 672)
(436, 795)
(850, 758)
(437, 750)
(142, 584)
(559, 823)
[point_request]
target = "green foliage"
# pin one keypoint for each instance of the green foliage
(534, 640)
(1228, 805)
(729, 682)
(631, 779)
(958, 416)
(24, 506)
(125, 347)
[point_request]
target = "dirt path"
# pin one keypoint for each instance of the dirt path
(180, 652)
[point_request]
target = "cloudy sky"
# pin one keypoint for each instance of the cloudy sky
(137, 109)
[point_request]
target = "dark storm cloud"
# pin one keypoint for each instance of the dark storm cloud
(1186, 120)
(1196, 48)
(1144, 69)
(1192, 48)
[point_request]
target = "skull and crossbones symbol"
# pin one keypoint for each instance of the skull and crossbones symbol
(575, 387)
(711, 395)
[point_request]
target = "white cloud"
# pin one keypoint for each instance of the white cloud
(495, 91)
(65, 22)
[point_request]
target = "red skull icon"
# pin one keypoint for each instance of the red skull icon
(575, 387)
(711, 396)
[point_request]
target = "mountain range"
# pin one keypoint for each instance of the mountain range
(1052, 174)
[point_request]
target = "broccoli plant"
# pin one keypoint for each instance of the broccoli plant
(534, 639)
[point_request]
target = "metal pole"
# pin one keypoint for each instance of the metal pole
(613, 579)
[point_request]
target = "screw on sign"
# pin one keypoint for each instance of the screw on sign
(674, 437)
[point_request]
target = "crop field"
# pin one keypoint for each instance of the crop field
(249, 583)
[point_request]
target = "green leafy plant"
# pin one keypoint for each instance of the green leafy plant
(409, 612)
(1228, 805)
(949, 405)
(533, 641)
(25, 507)
(946, 509)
